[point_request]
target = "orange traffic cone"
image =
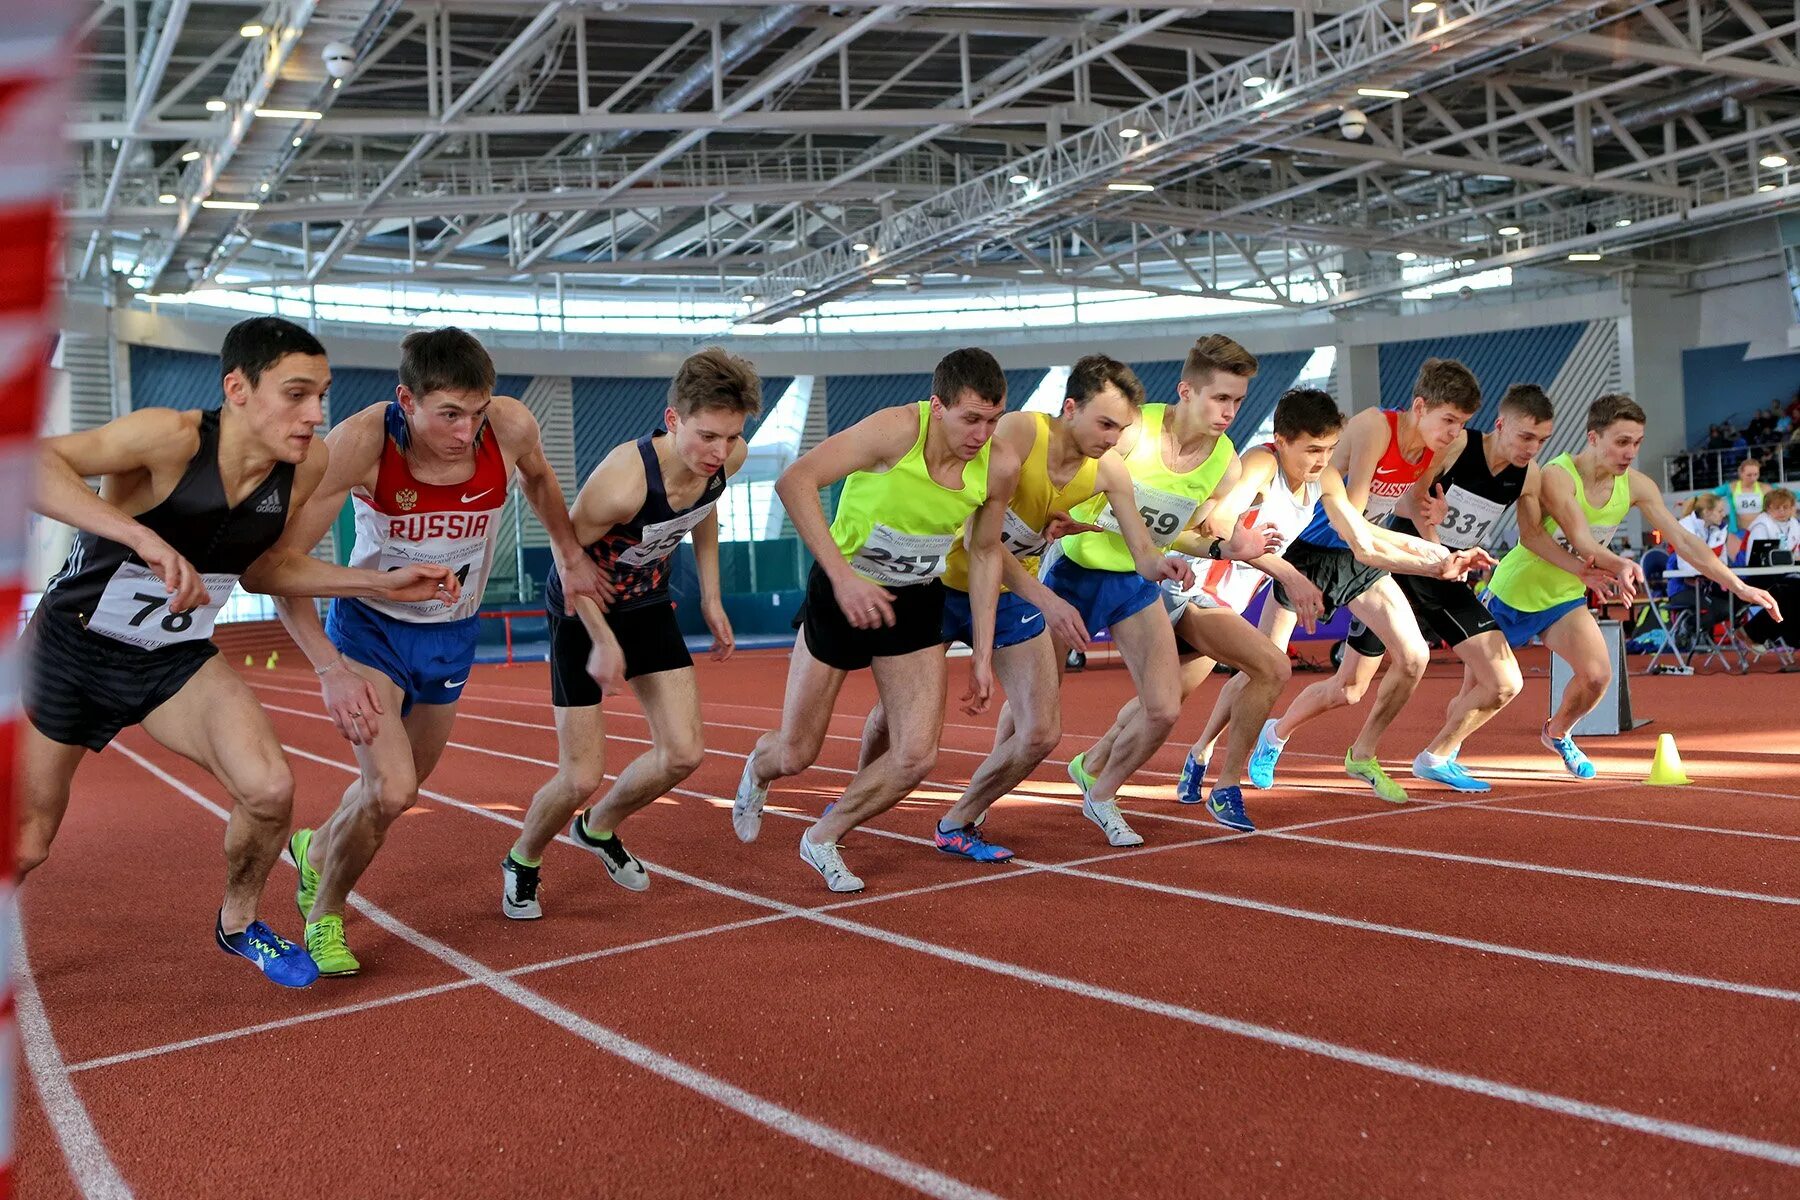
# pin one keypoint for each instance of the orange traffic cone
(1665, 768)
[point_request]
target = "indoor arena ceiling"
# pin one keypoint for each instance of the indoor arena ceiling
(1303, 154)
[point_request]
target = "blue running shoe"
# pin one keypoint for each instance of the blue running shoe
(1187, 788)
(1571, 754)
(281, 960)
(1227, 808)
(1264, 757)
(1450, 775)
(969, 843)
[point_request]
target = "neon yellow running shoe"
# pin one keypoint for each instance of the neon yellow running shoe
(1079, 773)
(298, 845)
(325, 942)
(1369, 771)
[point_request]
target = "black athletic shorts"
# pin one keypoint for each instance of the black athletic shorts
(649, 637)
(1448, 610)
(918, 623)
(82, 688)
(1331, 569)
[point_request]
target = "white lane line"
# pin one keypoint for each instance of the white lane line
(1568, 816)
(90, 1166)
(1405, 1068)
(823, 1137)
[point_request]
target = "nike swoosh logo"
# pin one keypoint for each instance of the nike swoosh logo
(476, 496)
(458, 683)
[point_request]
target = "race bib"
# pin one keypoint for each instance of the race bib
(1380, 505)
(660, 538)
(1601, 533)
(1165, 513)
(1019, 538)
(464, 558)
(899, 559)
(1469, 519)
(134, 609)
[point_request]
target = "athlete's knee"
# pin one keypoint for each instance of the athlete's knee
(30, 853)
(268, 792)
(1595, 676)
(1410, 661)
(1508, 683)
(683, 757)
(911, 761)
(1267, 666)
(1042, 737)
(583, 778)
(1160, 713)
(1341, 693)
(389, 797)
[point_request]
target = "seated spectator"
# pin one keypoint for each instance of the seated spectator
(1777, 523)
(1704, 516)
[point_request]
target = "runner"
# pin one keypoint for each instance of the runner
(916, 477)
(427, 475)
(639, 504)
(123, 634)
(1542, 592)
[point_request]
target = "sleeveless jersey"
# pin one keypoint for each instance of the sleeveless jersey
(1746, 504)
(896, 527)
(637, 554)
(1230, 584)
(1527, 582)
(104, 586)
(404, 521)
(1393, 475)
(1166, 499)
(1474, 496)
(1033, 501)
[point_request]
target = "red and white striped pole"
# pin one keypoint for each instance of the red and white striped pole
(36, 59)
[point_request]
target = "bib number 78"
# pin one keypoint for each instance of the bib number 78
(175, 622)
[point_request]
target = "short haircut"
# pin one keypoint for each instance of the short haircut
(1446, 381)
(715, 380)
(1093, 372)
(445, 360)
(1528, 400)
(1216, 352)
(255, 345)
(1776, 498)
(1614, 406)
(1307, 412)
(970, 369)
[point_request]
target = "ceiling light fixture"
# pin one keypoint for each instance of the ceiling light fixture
(1406, 256)
(296, 141)
(250, 30)
(1131, 187)
(799, 291)
(860, 247)
(749, 299)
(232, 205)
(166, 198)
(1425, 6)
(215, 105)
(1767, 187)
(1383, 93)
(1256, 80)
(1508, 231)
(1622, 223)
(190, 156)
(1018, 177)
(336, 84)
(289, 114)
(1584, 256)
(1129, 131)
(1334, 276)
(1773, 161)
(889, 281)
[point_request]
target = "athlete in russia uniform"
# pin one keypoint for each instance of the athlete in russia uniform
(189, 503)
(428, 475)
(639, 504)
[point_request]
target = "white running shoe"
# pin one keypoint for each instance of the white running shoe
(519, 896)
(746, 809)
(824, 858)
(1105, 814)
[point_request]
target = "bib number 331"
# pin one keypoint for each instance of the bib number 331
(134, 609)
(898, 559)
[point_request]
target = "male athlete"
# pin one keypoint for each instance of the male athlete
(639, 504)
(1542, 592)
(427, 474)
(916, 478)
(123, 635)
(1382, 453)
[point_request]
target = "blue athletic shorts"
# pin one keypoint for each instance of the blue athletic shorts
(1521, 627)
(429, 663)
(1015, 620)
(1103, 598)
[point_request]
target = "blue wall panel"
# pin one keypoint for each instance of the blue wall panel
(1159, 380)
(174, 379)
(1499, 360)
(1720, 384)
(1275, 374)
(610, 411)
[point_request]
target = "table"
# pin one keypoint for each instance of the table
(1717, 650)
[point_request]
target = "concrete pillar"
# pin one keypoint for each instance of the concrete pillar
(1657, 327)
(1358, 376)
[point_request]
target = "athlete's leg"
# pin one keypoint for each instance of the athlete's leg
(1195, 668)
(806, 709)
(1147, 643)
(912, 687)
(1027, 672)
(671, 701)
(1576, 639)
(1491, 680)
(1277, 624)
(215, 721)
(45, 770)
(580, 770)
(874, 737)
(1262, 669)
(1384, 609)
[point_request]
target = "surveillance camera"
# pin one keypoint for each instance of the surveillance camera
(1352, 123)
(339, 58)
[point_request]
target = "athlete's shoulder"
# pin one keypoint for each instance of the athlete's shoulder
(1369, 424)
(357, 441)
(736, 459)
(512, 423)
(1019, 430)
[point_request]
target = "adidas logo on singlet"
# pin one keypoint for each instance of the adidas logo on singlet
(270, 503)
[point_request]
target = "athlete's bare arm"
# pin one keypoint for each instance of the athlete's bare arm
(1213, 522)
(1384, 548)
(1553, 493)
(1358, 454)
(518, 431)
(613, 492)
(1646, 497)
(986, 555)
(706, 565)
(1113, 478)
(1423, 502)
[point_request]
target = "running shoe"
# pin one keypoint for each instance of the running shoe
(298, 846)
(1187, 788)
(282, 961)
(1261, 772)
(620, 863)
(968, 842)
(1450, 774)
(1227, 808)
(325, 942)
(746, 809)
(1079, 773)
(1105, 814)
(519, 895)
(1571, 755)
(1369, 771)
(824, 858)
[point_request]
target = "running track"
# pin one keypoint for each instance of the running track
(1565, 989)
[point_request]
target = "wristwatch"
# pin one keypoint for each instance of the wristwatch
(1216, 550)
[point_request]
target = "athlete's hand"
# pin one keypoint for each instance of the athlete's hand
(1307, 599)
(1757, 598)
(583, 578)
(865, 605)
(1247, 542)
(353, 703)
(1431, 508)
(1461, 562)
(1631, 580)
(981, 686)
(1062, 525)
(713, 613)
(1603, 584)
(421, 581)
(186, 586)
(1170, 569)
(1065, 622)
(607, 666)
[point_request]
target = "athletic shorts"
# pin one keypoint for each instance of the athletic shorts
(1103, 598)
(1016, 620)
(1521, 627)
(428, 661)
(648, 636)
(82, 688)
(1178, 604)
(1333, 570)
(1448, 609)
(918, 624)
